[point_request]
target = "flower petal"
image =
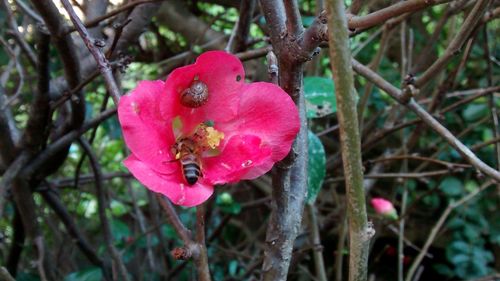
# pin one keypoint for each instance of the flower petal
(238, 159)
(223, 74)
(266, 111)
(170, 185)
(146, 133)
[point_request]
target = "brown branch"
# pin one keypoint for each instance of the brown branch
(202, 260)
(44, 157)
(17, 35)
(427, 119)
(454, 47)
(81, 241)
(5, 275)
(17, 245)
(194, 249)
(382, 15)
(477, 94)
(27, 10)
(239, 36)
(290, 175)
(68, 54)
(102, 205)
(319, 263)
(36, 128)
(402, 175)
(7, 130)
(478, 146)
(14, 56)
(95, 21)
(416, 157)
(491, 99)
(93, 46)
(174, 219)
(491, 15)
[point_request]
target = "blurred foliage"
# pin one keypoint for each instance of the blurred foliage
(465, 246)
(316, 167)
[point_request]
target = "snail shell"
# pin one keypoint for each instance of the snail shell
(196, 95)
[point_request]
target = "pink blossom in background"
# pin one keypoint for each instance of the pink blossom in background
(384, 207)
(245, 128)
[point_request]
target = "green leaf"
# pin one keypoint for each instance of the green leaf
(112, 128)
(227, 204)
(475, 111)
(118, 208)
(26, 276)
(320, 96)
(119, 229)
(451, 186)
(443, 270)
(197, 49)
(316, 167)
(233, 267)
(307, 20)
(89, 274)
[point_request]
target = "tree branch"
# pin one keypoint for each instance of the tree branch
(453, 48)
(93, 46)
(382, 15)
(427, 119)
(81, 241)
(360, 232)
(102, 205)
(290, 175)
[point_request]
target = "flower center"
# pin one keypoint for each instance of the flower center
(207, 137)
(202, 141)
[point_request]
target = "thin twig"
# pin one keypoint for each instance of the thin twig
(420, 158)
(439, 224)
(61, 143)
(428, 119)
(401, 175)
(382, 15)
(92, 45)
(319, 263)
(54, 202)
(95, 21)
(102, 205)
(454, 47)
(5, 275)
(202, 260)
(174, 219)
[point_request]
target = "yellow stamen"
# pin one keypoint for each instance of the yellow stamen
(213, 137)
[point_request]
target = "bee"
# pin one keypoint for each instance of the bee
(188, 153)
(196, 95)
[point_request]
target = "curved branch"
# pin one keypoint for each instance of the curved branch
(67, 52)
(54, 148)
(382, 15)
(102, 206)
(58, 207)
(453, 48)
(102, 61)
(395, 93)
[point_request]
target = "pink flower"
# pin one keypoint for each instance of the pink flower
(384, 207)
(183, 149)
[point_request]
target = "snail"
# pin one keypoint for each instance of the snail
(195, 95)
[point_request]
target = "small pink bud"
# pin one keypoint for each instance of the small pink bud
(385, 208)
